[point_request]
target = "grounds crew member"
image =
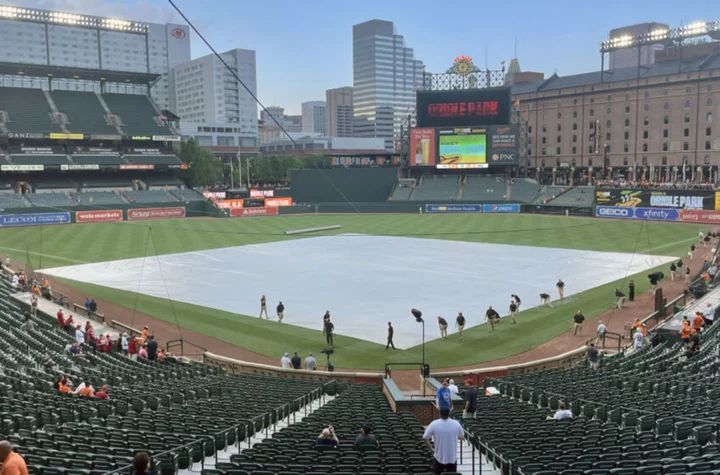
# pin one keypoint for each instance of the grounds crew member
(460, 324)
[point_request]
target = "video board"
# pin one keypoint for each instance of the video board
(462, 148)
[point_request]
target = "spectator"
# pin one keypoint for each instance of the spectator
(453, 387)
(12, 463)
(59, 382)
(15, 281)
(443, 397)
(152, 348)
(87, 303)
(142, 353)
(141, 463)
(93, 306)
(285, 361)
(471, 395)
(296, 361)
(102, 394)
(692, 351)
(328, 437)
(685, 332)
(638, 341)
(86, 391)
(124, 344)
(66, 387)
(698, 321)
(310, 363)
(144, 335)
(132, 348)
(366, 439)
(75, 349)
(444, 433)
(592, 356)
(79, 335)
(33, 305)
(69, 322)
(561, 413)
(160, 355)
(601, 329)
(60, 319)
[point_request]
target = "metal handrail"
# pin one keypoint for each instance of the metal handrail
(388, 368)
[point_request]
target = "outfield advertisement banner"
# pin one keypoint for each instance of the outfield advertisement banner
(695, 216)
(138, 214)
(248, 212)
(623, 212)
(279, 201)
(228, 204)
(453, 208)
(34, 219)
(502, 208)
(676, 199)
(105, 215)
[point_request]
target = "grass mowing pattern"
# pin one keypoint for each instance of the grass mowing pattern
(63, 245)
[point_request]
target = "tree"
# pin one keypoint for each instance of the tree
(204, 168)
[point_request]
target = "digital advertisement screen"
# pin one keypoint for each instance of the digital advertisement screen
(463, 108)
(462, 148)
(422, 147)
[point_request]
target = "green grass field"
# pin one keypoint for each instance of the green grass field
(65, 245)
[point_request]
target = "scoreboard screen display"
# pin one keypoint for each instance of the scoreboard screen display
(462, 148)
(461, 108)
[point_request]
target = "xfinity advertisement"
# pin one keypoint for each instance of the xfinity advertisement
(652, 214)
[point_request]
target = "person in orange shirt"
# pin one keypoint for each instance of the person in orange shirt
(144, 335)
(698, 321)
(685, 332)
(35, 289)
(87, 391)
(66, 388)
(12, 463)
(636, 326)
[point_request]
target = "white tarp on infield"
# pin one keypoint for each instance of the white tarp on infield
(365, 281)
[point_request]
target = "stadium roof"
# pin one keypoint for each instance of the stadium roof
(662, 68)
(63, 72)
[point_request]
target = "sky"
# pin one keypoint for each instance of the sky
(305, 46)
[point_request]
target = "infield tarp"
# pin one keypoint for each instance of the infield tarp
(357, 278)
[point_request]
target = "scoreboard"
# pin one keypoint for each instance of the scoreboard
(463, 108)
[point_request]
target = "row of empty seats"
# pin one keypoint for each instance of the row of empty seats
(29, 111)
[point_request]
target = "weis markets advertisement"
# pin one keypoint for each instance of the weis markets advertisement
(138, 214)
(105, 215)
(249, 212)
(697, 216)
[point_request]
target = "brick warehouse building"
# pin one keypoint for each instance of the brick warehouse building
(647, 121)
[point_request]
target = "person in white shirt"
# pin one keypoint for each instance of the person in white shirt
(15, 281)
(601, 329)
(124, 344)
(285, 361)
(453, 387)
(79, 335)
(638, 340)
(562, 413)
(310, 363)
(444, 433)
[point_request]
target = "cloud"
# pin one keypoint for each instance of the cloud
(138, 10)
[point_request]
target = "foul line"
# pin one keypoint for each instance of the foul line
(43, 255)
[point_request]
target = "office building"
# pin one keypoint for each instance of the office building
(324, 146)
(273, 111)
(659, 123)
(339, 115)
(72, 40)
(313, 117)
(386, 76)
(206, 92)
(292, 123)
(642, 56)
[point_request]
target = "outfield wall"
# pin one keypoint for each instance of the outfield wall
(434, 207)
(340, 185)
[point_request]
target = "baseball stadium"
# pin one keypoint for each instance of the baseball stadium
(153, 322)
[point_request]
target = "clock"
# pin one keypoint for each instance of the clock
(462, 67)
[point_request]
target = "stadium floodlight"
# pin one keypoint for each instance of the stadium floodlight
(660, 35)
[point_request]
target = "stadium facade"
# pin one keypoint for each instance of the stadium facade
(658, 122)
(71, 40)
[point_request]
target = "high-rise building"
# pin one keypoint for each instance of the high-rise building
(313, 117)
(642, 56)
(292, 123)
(385, 75)
(52, 38)
(206, 92)
(339, 116)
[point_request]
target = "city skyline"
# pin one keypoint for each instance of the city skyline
(298, 61)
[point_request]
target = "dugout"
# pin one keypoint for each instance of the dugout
(709, 305)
